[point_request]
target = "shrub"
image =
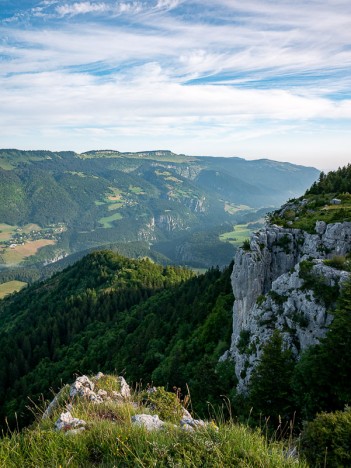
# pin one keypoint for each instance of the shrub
(326, 441)
(244, 341)
(339, 262)
(260, 300)
(246, 245)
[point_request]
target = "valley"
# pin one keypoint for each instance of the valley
(59, 204)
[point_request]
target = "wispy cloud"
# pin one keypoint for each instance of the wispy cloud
(219, 71)
(79, 8)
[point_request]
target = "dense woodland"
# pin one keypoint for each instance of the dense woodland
(156, 324)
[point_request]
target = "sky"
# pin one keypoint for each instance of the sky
(249, 78)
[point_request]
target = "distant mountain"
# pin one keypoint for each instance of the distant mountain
(58, 203)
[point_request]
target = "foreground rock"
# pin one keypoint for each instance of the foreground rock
(149, 422)
(67, 422)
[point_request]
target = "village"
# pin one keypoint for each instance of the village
(20, 236)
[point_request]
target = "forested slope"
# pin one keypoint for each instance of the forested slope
(156, 324)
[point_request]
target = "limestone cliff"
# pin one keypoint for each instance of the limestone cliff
(275, 282)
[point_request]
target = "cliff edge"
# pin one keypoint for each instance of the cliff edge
(285, 279)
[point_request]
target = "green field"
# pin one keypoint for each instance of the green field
(237, 236)
(107, 220)
(231, 208)
(10, 287)
(115, 206)
(136, 190)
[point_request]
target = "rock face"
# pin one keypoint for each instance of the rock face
(270, 292)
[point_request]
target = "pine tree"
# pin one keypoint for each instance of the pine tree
(270, 387)
(322, 377)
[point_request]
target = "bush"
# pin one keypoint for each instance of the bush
(339, 262)
(246, 245)
(326, 441)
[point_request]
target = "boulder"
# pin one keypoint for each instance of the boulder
(149, 422)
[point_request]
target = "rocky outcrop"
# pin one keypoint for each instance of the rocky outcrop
(196, 205)
(105, 401)
(166, 222)
(271, 292)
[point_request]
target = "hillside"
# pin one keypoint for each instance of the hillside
(108, 312)
(55, 204)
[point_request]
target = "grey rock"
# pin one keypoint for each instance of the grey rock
(125, 389)
(186, 414)
(320, 228)
(194, 423)
(53, 405)
(67, 422)
(149, 422)
(84, 387)
(270, 271)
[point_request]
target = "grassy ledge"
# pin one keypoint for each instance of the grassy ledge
(111, 439)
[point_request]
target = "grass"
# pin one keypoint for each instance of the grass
(11, 287)
(31, 227)
(317, 208)
(115, 206)
(111, 440)
(231, 208)
(136, 190)
(107, 220)
(237, 236)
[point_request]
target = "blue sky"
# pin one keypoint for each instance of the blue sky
(253, 78)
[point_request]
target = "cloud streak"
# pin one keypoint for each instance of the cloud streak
(221, 71)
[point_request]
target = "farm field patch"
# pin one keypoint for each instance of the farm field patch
(237, 236)
(11, 286)
(18, 253)
(107, 220)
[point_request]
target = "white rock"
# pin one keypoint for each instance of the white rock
(148, 421)
(125, 389)
(67, 422)
(83, 386)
